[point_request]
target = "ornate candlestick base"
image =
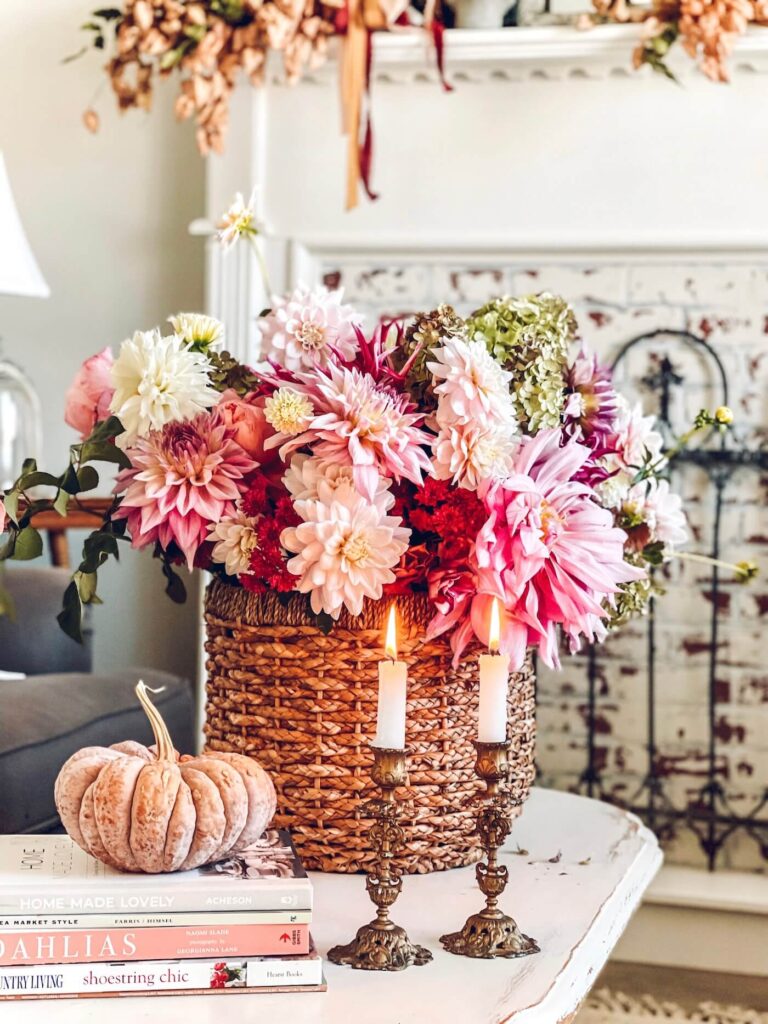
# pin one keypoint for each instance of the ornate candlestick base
(491, 933)
(383, 945)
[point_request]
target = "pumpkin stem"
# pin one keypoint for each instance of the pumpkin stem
(165, 749)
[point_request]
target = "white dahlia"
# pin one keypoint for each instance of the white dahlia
(235, 540)
(309, 478)
(344, 551)
(196, 330)
(467, 454)
(157, 381)
(471, 385)
(309, 328)
(660, 509)
(636, 438)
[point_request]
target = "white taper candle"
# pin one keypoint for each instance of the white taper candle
(393, 674)
(494, 686)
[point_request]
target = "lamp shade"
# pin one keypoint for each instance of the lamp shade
(19, 272)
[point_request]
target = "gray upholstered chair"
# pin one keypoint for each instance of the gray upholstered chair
(62, 706)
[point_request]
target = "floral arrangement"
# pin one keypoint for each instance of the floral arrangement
(707, 29)
(470, 459)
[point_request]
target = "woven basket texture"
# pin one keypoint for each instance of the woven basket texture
(304, 704)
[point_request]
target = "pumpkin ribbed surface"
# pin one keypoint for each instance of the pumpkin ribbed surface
(305, 705)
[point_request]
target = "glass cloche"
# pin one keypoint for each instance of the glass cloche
(20, 422)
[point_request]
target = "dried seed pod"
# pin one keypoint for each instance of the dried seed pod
(91, 120)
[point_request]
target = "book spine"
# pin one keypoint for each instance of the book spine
(157, 976)
(128, 945)
(283, 894)
(109, 921)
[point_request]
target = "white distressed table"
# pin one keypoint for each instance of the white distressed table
(578, 870)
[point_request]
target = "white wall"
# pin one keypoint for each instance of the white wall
(106, 216)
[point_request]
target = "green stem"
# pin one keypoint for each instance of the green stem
(262, 265)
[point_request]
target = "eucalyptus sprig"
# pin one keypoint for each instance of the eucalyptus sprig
(24, 541)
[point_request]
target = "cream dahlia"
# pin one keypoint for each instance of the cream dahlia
(361, 423)
(467, 455)
(183, 479)
(238, 221)
(205, 333)
(288, 411)
(310, 478)
(472, 385)
(344, 551)
(157, 381)
(235, 540)
(309, 328)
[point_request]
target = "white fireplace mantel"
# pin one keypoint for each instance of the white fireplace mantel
(547, 52)
(548, 144)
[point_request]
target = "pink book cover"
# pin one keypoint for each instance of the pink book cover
(128, 944)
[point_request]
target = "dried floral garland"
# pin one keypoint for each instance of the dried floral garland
(707, 29)
(209, 43)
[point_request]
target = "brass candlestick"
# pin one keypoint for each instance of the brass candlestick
(491, 933)
(383, 945)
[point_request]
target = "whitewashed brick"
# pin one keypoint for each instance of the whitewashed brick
(724, 327)
(598, 284)
(462, 285)
(725, 285)
(606, 328)
(383, 286)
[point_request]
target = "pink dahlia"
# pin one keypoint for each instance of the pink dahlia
(591, 406)
(309, 328)
(184, 478)
(548, 551)
(359, 423)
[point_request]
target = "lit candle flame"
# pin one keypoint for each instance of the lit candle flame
(495, 629)
(390, 645)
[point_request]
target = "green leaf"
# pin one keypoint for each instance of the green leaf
(90, 26)
(70, 618)
(88, 478)
(106, 430)
(103, 451)
(38, 479)
(99, 42)
(61, 502)
(654, 553)
(97, 547)
(324, 623)
(86, 587)
(29, 545)
(28, 466)
(108, 13)
(11, 502)
(174, 586)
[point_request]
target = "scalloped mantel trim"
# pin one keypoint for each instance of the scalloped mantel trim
(520, 54)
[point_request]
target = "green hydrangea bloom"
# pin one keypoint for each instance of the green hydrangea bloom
(530, 336)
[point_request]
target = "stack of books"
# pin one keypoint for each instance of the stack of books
(69, 926)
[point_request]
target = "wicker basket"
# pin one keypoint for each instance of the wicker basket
(305, 704)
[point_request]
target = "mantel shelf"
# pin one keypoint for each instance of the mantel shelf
(516, 54)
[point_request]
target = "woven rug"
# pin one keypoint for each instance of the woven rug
(606, 1007)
